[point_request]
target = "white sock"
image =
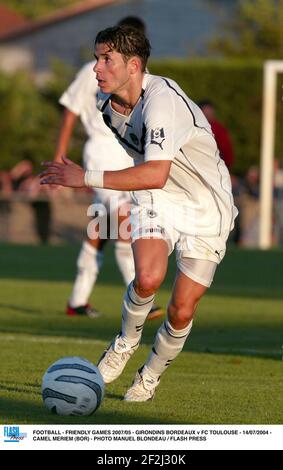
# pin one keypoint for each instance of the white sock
(135, 311)
(88, 264)
(99, 259)
(125, 260)
(167, 345)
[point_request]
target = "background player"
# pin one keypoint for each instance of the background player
(101, 152)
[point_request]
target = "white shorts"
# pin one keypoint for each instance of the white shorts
(209, 251)
(111, 198)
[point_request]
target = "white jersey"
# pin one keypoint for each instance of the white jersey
(167, 125)
(102, 150)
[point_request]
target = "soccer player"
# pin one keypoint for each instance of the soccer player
(181, 198)
(101, 152)
(221, 133)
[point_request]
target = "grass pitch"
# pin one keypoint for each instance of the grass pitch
(230, 371)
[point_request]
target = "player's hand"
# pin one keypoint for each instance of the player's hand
(67, 173)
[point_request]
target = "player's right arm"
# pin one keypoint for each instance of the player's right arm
(74, 100)
(66, 130)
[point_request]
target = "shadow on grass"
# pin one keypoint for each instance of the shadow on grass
(16, 308)
(13, 411)
(246, 273)
(23, 388)
(249, 340)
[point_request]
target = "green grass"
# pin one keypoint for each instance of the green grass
(229, 372)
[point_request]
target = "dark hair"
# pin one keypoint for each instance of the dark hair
(126, 40)
(133, 22)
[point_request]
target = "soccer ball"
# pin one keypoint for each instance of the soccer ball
(72, 386)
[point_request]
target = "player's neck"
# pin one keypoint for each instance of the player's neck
(125, 100)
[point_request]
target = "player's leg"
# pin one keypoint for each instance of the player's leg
(192, 280)
(90, 258)
(89, 263)
(148, 272)
(124, 253)
(123, 248)
(151, 258)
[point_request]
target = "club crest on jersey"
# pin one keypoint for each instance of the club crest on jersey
(151, 213)
(157, 136)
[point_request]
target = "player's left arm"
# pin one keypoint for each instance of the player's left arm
(160, 147)
(149, 175)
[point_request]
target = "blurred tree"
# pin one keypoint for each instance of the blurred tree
(256, 30)
(31, 122)
(62, 75)
(35, 8)
(32, 117)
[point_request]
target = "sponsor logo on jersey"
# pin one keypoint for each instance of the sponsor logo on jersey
(157, 136)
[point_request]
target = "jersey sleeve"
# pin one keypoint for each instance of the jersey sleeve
(84, 86)
(168, 122)
(159, 120)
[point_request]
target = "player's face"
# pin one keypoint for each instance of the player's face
(112, 73)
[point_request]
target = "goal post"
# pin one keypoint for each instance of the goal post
(270, 72)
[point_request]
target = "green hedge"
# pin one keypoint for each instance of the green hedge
(236, 89)
(30, 119)
(31, 116)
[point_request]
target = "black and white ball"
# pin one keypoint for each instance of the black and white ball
(72, 386)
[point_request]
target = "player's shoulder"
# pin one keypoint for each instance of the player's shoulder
(155, 85)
